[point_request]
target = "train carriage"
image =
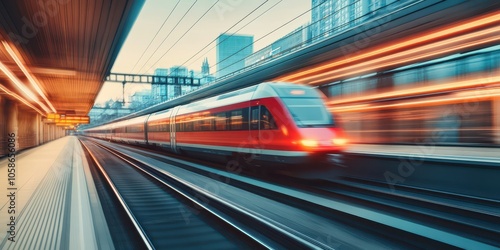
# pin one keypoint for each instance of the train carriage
(266, 123)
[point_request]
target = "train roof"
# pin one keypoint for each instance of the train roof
(262, 90)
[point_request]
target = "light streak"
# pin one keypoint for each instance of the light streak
(3, 88)
(31, 79)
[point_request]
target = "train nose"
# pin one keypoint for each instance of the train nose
(323, 139)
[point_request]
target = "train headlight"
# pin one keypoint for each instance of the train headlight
(309, 143)
(339, 141)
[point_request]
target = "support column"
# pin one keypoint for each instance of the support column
(36, 128)
(3, 131)
(11, 121)
(52, 132)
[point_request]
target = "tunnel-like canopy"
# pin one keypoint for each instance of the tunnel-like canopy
(55, 54)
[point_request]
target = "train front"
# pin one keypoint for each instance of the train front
(313, 129)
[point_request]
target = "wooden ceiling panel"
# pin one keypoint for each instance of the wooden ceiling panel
(69, 46)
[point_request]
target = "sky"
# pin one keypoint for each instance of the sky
(187, 35)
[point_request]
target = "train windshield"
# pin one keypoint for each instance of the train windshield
(309, 112)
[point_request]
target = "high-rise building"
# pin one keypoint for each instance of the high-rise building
(159, 88)
(140, 99)
(286, 44)
(205, 68)
(231, 52)
(332, 16)
(205, 76)
(177, 90)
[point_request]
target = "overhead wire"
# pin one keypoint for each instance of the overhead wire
(177, 24)
(246, 16)
(239, 21)
(161, 57)
(281, 26)
(215, 39)
(310, 39)
(232, 32)
(157, 32)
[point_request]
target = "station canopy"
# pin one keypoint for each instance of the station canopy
(55, 54)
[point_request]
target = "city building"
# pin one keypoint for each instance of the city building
(330, 17)
(205, 67)
(288, 43)
(205, 76)
(177, 90)
(159, 88)
(106, 112)
(165, 89)
(141, 99)
(231, 52)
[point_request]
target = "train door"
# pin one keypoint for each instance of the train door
(146, 129)
(255, 129)
(262, 125)
(173, 141)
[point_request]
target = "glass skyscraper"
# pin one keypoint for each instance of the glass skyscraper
(333, 16)
(231, 52)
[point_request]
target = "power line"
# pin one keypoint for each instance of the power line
(233, 32)
(229, 29)
(293, 19)
(161, 57)
(168, 34)
(157, 32)
(312, 38)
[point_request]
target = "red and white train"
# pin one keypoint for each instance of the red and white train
(266, 123)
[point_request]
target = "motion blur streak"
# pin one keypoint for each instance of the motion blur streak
(423, 90)
(4, 89)
(31, 79)
(403, 45)
(413, 55)
(21, 86)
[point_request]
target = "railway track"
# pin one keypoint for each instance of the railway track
(345, 213)
(167, 212)
(473, 218)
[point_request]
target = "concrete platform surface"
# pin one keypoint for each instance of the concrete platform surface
(478, 154)
(48, 204)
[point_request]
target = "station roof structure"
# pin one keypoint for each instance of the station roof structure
(55, 54)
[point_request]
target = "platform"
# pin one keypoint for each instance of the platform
(52, 202)
(429, 151)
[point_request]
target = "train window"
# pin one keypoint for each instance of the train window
(165, 126)
(208, 123)
(197, 124)
(120, 130)
(266, 119)
(245, 113)
(239, 119)
(254, 121)
(236, 119)
(203, 123)
(152, 128)
(159, 126)
(178, 124)
(220, 121)
(188, 125)
(308, 112)
(135, 128)
(184, 124)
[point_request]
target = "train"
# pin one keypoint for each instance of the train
(270, 123)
